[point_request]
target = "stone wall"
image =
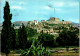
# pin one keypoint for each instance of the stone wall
(66, 22)
(58, 22)
(54, 19)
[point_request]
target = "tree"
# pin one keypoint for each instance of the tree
(74, 38)
(13, 38)
(66, 38)
(22, 35)
(46, 39)
(7, 34)
(18, 38)
(62, 20)
(30, 30)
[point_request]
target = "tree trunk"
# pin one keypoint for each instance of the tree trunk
(6, 54)
(67, 48)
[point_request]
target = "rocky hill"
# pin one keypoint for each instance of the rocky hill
(19, 23)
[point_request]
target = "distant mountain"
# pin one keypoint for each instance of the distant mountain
(0, 24)
(19, 23)
(75, 23)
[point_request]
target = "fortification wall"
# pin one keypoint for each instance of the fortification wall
(66, 22)
(54, 19)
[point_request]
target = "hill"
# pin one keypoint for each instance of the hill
(0, 24)
(19, 23)
(75, 23)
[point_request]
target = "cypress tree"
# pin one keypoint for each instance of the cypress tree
(22, 35)
(13, 36)
(19, 36)
(7, 31)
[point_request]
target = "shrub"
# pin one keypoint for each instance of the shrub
(35, 50)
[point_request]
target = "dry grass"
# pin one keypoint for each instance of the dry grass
(57, 52)
(53, 54)
(66, 54)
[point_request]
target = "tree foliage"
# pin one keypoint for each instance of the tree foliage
(67, 38)
(13, 38)
(8, 34)
(30, 32)
(46, 39)
(74, 38)
(22, 36)
(63, 38)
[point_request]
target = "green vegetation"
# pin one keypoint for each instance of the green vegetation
(8, 33)
(35, 50)
(51, 24)
(30, 32)
(46, 27)
(22, 40)
(22, 36)
(67, 38)
(46, 39)
(59, 26)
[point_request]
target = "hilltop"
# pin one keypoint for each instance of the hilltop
(46, 25)
(53, 25)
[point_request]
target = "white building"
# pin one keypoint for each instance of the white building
(35, 22)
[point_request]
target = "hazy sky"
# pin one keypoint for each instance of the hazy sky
(28, 10)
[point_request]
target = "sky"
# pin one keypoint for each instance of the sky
(29, 10)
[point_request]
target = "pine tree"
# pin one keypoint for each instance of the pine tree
(7, 31)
